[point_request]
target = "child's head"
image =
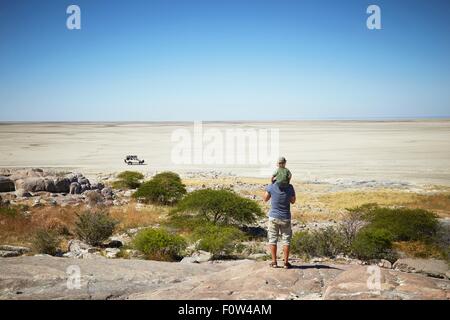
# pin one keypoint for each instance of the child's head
(281, 162)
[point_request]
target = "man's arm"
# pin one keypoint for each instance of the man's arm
(292, 200)
(266, 196)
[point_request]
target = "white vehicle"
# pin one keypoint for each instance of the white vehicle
(130, 160)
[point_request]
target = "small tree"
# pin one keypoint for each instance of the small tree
(219, 240)
(128, 180)
(94, 227)
(159, 244)
(164, 188)
(219, 207)
(373, 243)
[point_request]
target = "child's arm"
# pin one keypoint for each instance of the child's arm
(289, 176)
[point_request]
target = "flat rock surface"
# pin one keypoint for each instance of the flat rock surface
(45, 277)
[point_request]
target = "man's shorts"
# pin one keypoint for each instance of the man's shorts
(282, 227)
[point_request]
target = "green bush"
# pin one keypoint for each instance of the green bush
(128, 180)
(403, 224)
(219, 207)
(46, 241)
(94, 227)
(219, 240)
(159, 244)
(372, 243)
(164, 188)
(327, 242)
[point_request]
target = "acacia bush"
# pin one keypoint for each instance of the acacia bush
(128, 180)
(164, 188)
(403, 224)
(327, 242)
(218, 207)
(218, 240)
(373, 243)
(94, 227)
(159, 244)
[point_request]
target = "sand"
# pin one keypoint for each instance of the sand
(415, 152)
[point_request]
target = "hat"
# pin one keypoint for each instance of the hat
(281, 159)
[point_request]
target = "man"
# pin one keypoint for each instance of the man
(281, 197)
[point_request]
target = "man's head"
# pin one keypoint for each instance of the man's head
(281, 162)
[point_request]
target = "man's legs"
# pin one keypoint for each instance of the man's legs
(286, 253)
(273, 251)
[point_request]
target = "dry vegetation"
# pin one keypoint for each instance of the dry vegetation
(19, 229)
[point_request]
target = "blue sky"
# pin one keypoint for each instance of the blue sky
(223, 60)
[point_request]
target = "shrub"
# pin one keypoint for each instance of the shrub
(159, 244)
(94, 227)
(327, 242)
(164, 188)
(219, 207)
(219, 240)
(403, 224)
(128, 180)
(373, 243)
(46, 241)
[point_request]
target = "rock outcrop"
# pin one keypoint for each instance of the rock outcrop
(45, 277)
(6, 184)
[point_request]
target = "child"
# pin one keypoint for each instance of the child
(282, 175)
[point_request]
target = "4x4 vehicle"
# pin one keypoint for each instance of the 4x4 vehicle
(130, 160)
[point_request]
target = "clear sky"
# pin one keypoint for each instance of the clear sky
(223, 60)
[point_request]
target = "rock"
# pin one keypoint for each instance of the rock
(384, 264)
(118, 241)
(107, 193)
(6, 184)
(82, 180)
(23, 194)
(37, 203)
(62, 185)
(198, 257)
(112, 252)
(49, 185)
(430, 267)
(80, 250)
(7, 254)
(12, 251)
(75, 188)
(31, 184)
(357, 284)
(258, 256)
(97, 186)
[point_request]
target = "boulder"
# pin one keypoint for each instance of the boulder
(430, 267)
(80, 250)
(75, 188)
(23, 194)
(6, 184)
(31, 184)
(20, 249)
(62, 184)
(107, 193)
(12, 251)
(49, 185)
(112, 252)
(385, 264)
(97, 186)
(198, 257)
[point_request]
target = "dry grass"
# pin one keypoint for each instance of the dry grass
(20, 229)
(418, 249)
(130, 216)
